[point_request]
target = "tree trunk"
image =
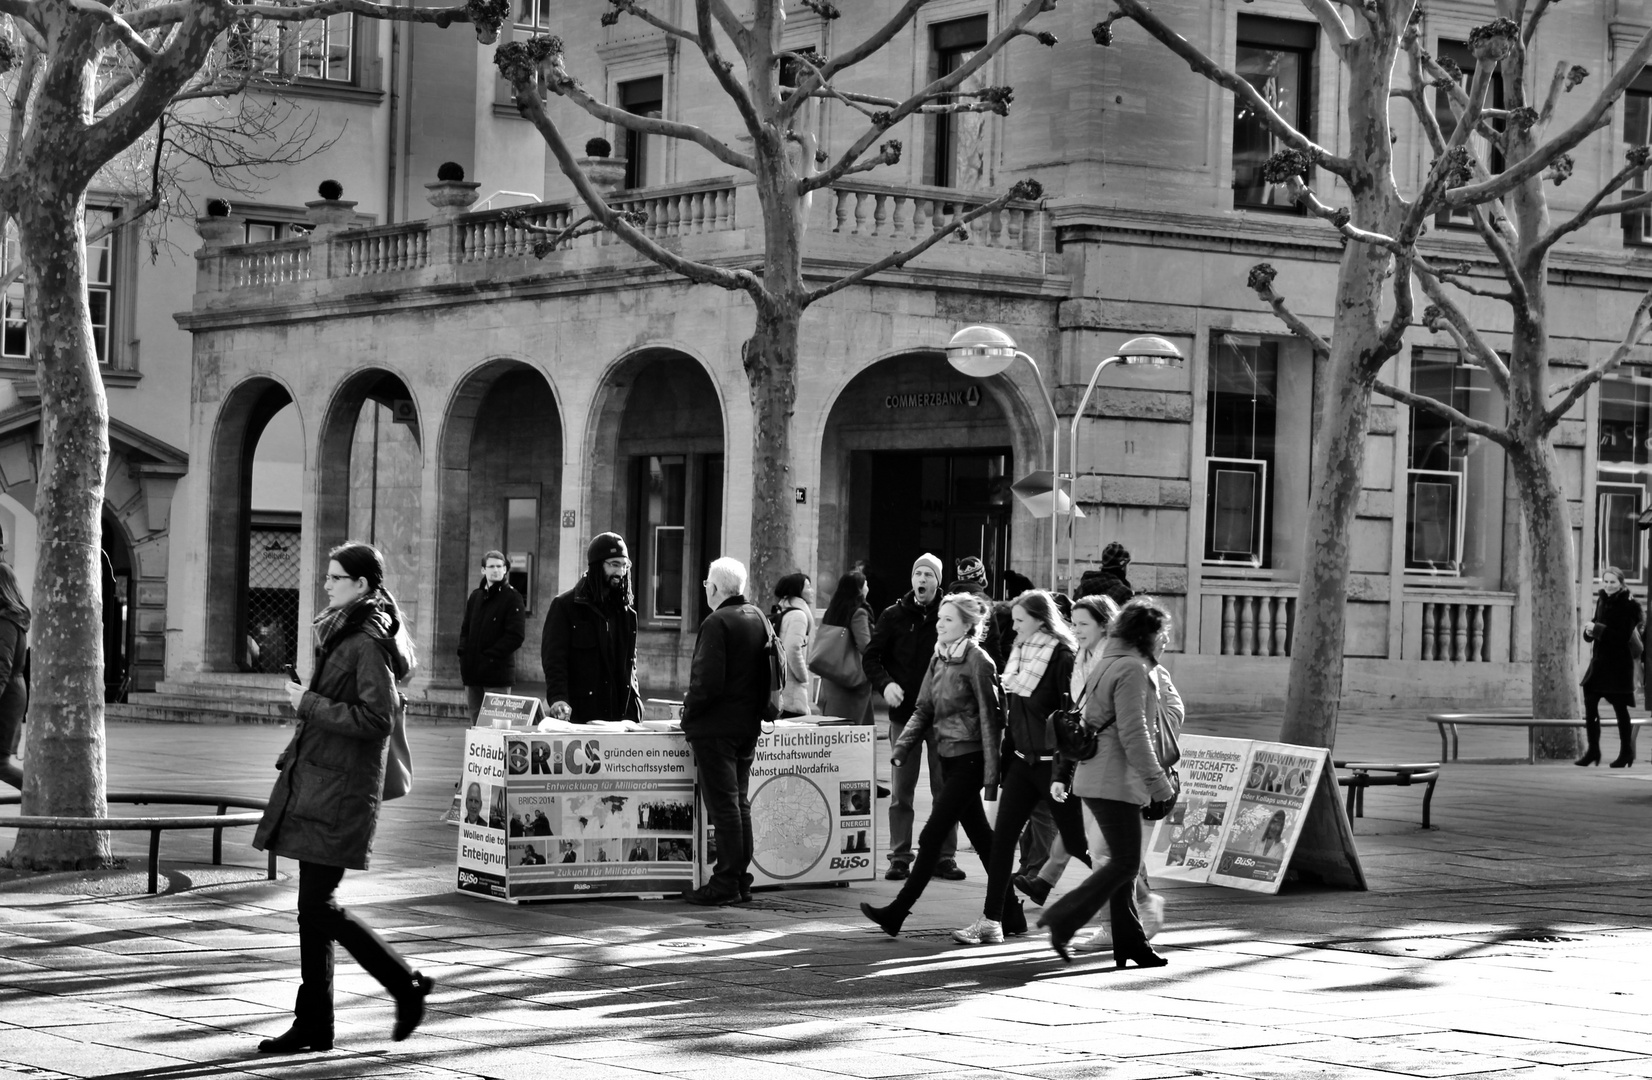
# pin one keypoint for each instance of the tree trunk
(1550, 587)
(770, 358)
(64, 774)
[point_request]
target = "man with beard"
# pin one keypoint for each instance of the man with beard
(590, 645)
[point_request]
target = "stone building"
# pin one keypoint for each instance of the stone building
(456, 394)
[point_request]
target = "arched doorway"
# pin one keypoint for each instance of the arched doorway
(501, 485)
(369, 475)
(118, 606)
(243, 593)
(916, 458)
(657, 479)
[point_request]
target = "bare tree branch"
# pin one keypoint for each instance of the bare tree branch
(1399, 322)
(1531, 23)
(1552, 98)
(1331, 20)
(24, 85)
(1626, 206)
(117, 28)
(653, 20)
(853, 55)
(1639, 323)
(1593, 209)
(1457, 323)
(1338, 217)
(1261, 281)
(731, 24)
(723, 72)
(1439, 408)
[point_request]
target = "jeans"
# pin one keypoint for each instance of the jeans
(1056, 865)
(1109, 884)
(903, 784)
(473, 698)
(321, 921)
(1026, 786)
(958, 803)
(1037, 839)
(725, 790)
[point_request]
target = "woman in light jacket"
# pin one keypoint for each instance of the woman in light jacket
(961, 702)
(848, 609)
(325, 804)
(794, 597)
(1122, 777)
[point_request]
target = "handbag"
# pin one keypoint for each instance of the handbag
(832, 655)
(398, 761)
(1074, 739)
(1168, 746)
(1637, 648)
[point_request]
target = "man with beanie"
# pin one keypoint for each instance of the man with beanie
(590, 644)
(493, 630)
(972, 578)
(1110, 579)
(896, 660)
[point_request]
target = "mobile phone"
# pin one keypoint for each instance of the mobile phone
(292, 674)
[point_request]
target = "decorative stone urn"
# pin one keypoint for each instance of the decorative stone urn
(451, 198)
(606, 174)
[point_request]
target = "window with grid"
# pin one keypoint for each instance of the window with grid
(1450, 495)
(958, 158)
(1242, 414)
(534, 15)
(1623, 437)
(1276, 56)
(641, 97)
(100, 288)
(1637, 131)
(1485, 151)
(323, 50)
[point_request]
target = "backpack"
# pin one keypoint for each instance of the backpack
(777, 674)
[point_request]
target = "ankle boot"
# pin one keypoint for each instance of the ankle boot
(889, 919)
(1590, 756)
(1015, 917)
(297, 1039)
(1625, 758)
(1591, 731)
(1142, 954)
(410, 1006)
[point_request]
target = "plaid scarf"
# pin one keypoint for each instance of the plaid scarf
(1029, 658)
(364, 611)
(945, 652)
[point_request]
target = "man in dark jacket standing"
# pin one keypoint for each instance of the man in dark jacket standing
(493, 630)
(896, 660)
(590, 646)
(728, 700)
(1110, 579)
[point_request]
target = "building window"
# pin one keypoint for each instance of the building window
(1637, 131)
(1242, 408)
(100, 288)
(521, 543)
(959, 140)
(263, 232)
(323, 50)
(1484, 151)
(534, 15)
(641, 97)
(1454, 478)
(1276, 56)
(1622, 440)
(677, 508)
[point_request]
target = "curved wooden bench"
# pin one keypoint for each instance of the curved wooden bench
(1452, 721)
(1369, 774)
(157, 824)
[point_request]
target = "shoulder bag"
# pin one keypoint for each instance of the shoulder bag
(1073, 738)
(832, 655)
(1167, 745)
(398, 759)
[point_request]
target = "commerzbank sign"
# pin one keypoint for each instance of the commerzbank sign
(942, 399)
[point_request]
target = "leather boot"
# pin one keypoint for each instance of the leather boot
(1591, 756)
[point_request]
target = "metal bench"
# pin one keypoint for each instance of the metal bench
(1450, 722)
(1369, 774)
(156, 825)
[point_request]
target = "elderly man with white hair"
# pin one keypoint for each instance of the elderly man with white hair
(728, 699)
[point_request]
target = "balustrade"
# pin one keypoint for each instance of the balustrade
(1255, 623)
(383, 250)
(909, 215)
(276, 263)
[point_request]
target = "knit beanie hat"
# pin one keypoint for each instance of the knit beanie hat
(972, 570)
(606, 546)
(1114, 554)
(931, 563)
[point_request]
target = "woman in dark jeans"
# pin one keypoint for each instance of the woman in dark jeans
(960, 701)
(1611, 673)
(1035, 685)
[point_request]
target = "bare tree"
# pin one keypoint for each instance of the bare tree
(90, 82)
(745, 58)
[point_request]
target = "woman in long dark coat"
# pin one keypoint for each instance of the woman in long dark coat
(14, 686)
(325, 804)
(1611, 673)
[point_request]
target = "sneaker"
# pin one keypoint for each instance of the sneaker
(898, 871)
(982, 931)
(1098, 940)
(1152, 919)
(949, 870)
(1035, 889)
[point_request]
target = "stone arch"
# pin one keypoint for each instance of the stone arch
(501, 442)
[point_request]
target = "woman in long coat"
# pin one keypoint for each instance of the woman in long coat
(325, 804)
(1611, 673)
(848, 610)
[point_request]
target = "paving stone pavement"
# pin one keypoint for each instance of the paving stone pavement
(1512, 941)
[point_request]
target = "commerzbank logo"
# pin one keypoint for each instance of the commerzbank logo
(941, 399)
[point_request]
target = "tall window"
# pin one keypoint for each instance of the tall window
(1637, 131)
(321, 49)
(533, 15)
(1625, 432)
(959, 156)
(100, 288)
(641, 97)
(521, 544)
(1276, 56)
(1242, 409)
(1454, 478)
(675, 546)
(1484, 150)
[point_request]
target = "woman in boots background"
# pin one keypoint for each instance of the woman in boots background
(1035, 681)
(325, 804)
(1611, 672)
(960, 700)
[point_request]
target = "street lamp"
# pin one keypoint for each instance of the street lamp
(982, 351)
(1147, 350)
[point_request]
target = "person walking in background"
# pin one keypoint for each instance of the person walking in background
(723, 713)
(1120, 702)
(1035, 685)
(324, 807)
(1611, 672)
(972, 578)
(848, 610)
(590, 646)
(1111, 580)
(961, 703)
(794, 597)
(14, 673)
(494, 627)
(896, 661)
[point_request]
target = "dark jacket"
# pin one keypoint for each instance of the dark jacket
(962, 704)
(493, 630)
(728, 683)
(902, 643)
(1108, 581)
(14, 687)
(1027, 718)
(590, 654)
(1611, 672)
(325, 804)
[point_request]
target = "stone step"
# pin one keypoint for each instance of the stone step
(265, 702)
(225, 691)
(177, 709)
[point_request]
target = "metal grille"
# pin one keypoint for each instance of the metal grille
(272, 599)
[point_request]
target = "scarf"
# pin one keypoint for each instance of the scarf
(1083, 664)
(955, 651)
(1029, 658)
(365, 612)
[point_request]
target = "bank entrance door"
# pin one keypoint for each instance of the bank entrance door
(950, 503)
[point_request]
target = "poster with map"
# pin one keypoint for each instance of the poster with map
(812, 807)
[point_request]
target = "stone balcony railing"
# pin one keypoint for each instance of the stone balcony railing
(853, 222)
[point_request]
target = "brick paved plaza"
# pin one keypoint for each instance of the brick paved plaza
(1511, 941)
